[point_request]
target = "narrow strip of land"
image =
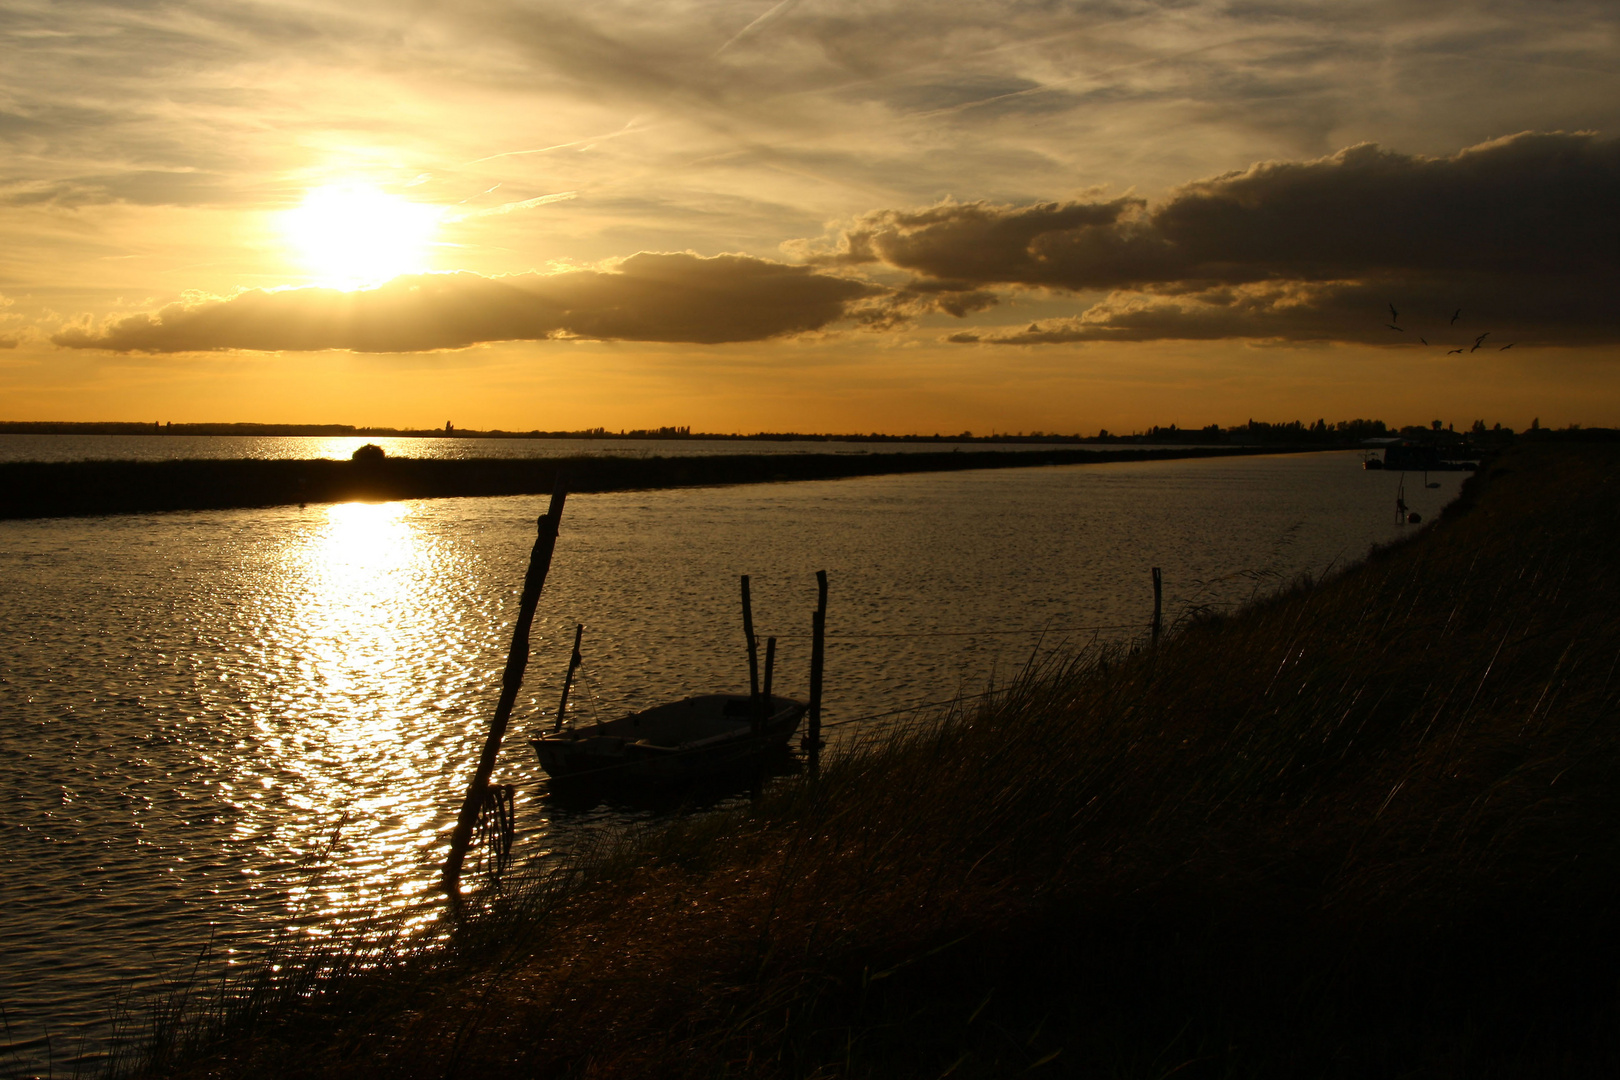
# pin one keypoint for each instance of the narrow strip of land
(75, 488)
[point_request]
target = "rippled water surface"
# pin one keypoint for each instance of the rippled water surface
(226, 725)
(308, 447)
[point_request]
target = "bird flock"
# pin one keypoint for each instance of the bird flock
(1479, 342)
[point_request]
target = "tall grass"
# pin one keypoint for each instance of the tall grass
(1365, 827)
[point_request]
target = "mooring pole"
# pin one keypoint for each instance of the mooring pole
(762, 712)
(568, 681)
(517, 658)
(818, 638)
(1158, 604)
(753, 649)
(770, 665)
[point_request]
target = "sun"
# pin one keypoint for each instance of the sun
(351, 236)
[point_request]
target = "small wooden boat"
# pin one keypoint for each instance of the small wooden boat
(695, 740)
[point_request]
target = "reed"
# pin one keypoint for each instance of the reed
(1364, 827)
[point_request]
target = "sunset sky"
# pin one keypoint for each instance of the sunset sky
(817, 215)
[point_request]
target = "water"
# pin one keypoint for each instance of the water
(304, 448)
(230, 725)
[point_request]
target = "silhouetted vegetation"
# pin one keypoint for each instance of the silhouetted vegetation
(1320, 433)
(1294, 433)
(1363, 828)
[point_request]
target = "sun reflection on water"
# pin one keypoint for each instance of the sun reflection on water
(352, 746)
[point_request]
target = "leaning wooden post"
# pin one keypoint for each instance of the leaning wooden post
(517, 658)
(568, 681)
(753, 649)
(1158, 604)
(818, 638)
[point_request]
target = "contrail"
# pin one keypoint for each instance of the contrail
(628, 129)
(539, 200)
(507, 208)
(1048, 87)
(760, 23)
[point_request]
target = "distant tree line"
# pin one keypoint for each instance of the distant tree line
(1253, 433)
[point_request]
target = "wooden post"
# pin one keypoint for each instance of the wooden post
(818, 637)
(568, 681)
(1158, 604)
(517, 658)
(762, 711)
(753, 648)
(770, 665)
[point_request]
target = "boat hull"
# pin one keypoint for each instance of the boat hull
(698, 740)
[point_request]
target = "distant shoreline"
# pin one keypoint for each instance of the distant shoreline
(249, 431)
(1253, 434)
(31, 489)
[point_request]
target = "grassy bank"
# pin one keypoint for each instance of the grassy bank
(70, 488)
(1365, 828)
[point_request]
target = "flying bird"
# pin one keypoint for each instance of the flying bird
(1423, 339)
(1509, 345)
(1480, 340)
(1392, 326)
(1394, 316)
(1450, 351)
(1454, 315)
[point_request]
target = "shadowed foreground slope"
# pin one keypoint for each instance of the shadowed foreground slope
(1365, 828)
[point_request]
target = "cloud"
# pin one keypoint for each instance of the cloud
(8, 341)
(141, 187)
(1524, 230)
(1299, 311)
(664, 297)
(1539, 313)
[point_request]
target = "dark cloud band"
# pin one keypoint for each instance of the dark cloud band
(1524, 230)
(675, 297)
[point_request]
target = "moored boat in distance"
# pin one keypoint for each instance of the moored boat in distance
(703, 739)
(1407, 455)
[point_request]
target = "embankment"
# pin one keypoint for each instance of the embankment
(64, 489)
(1364, 828)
